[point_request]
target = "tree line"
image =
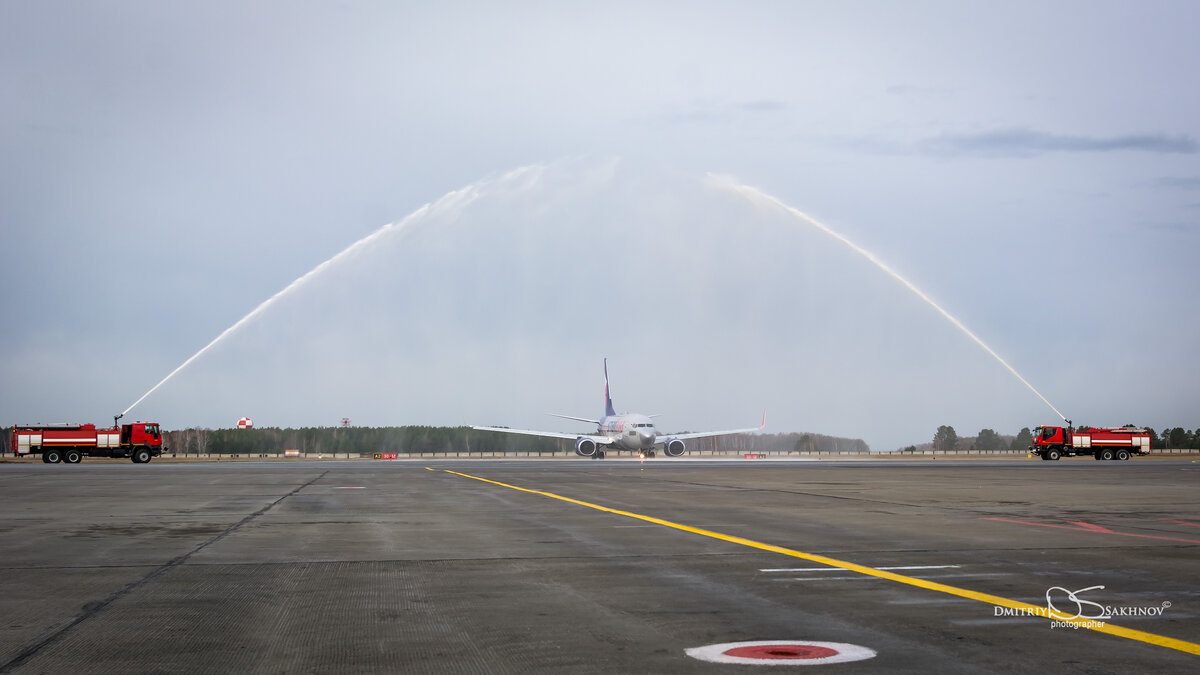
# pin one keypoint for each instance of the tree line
(987, 440)
(1176, 438)
(426, 439)
(329, 440)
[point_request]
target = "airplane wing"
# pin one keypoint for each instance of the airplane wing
(599, 440)
(706, 434)
(577, 419)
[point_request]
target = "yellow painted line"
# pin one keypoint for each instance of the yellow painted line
(996, 600)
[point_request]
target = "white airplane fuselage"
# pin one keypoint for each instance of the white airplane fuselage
(629, 431)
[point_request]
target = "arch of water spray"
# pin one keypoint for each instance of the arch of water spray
(758, 197)
(527, 177)
(450, 202)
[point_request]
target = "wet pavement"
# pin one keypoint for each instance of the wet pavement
(596, 566)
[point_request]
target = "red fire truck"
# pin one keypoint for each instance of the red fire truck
(70, 443)
(1102, 443)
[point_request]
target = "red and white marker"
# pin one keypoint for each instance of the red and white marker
(781, 653)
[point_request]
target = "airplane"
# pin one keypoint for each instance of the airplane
(625, 431)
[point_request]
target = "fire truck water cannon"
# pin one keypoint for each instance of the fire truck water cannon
(70, 443)
(1103, 443)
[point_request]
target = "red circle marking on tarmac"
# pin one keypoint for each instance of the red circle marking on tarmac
(781, 653)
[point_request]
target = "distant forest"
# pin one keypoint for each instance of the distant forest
(418, 439)
(424, 439)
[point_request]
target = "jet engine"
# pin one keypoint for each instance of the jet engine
(674, 447)
(585, 447)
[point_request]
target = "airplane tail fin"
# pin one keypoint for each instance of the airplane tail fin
(608, 406)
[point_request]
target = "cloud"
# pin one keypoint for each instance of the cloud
(764, 106)
(1176, 227)
(711, 112)
(1028, 142)
(1178, 183)
(916, 91)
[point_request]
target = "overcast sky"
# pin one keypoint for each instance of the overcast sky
(1033, 167)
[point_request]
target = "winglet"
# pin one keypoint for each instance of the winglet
(608, 406)
(764, 421)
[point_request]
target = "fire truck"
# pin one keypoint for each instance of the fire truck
(70, 443)
(1051, 443)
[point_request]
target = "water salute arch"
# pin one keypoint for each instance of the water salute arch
(494, 300)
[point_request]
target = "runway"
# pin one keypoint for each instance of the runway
(505, 566)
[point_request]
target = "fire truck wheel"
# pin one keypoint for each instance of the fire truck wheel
(72, 457)
(1122, 455)
(1053, 454)
(52, 456)
(141, 456)
(1106, 455)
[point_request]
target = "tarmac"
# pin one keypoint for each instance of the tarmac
(614, 566)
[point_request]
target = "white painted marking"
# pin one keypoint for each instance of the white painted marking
(845, 653)
(864, 577)
(799, 569)
(969, 574)
(924, 576)
(930, 601)
(826, 569)
(350, 487)
(997, 621)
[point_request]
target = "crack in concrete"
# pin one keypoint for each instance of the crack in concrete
(91, 609)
